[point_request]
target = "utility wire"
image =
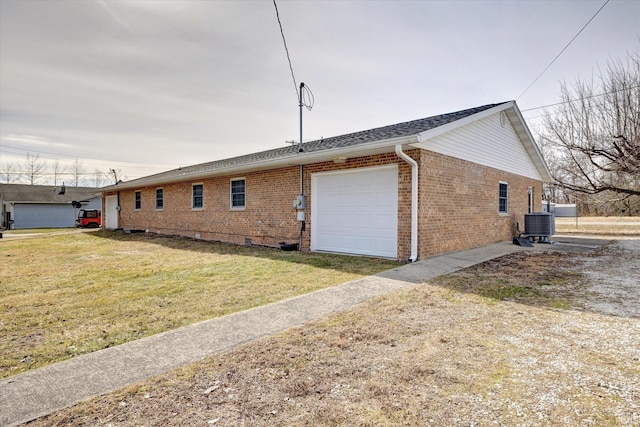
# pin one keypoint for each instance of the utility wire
(580, 99)
(563, 49)
(7, 149)
(295, 85)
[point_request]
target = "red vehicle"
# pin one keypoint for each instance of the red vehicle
(89, 218)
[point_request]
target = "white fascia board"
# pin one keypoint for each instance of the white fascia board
(531, 146)
(328, 154)
(300, 158)
(432, 133)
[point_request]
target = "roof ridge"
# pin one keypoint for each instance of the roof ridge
(397, 130)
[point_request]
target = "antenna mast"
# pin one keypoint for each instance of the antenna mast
(300, 150)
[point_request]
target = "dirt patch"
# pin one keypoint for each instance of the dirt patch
(529, 339)
(614, 278)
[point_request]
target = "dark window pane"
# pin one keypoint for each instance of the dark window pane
(198, 198)
(237, 193)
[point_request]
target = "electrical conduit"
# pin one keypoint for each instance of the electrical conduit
(414, 201)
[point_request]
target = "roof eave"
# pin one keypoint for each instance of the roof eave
(518, 123)
(521, 128)
(293, 159)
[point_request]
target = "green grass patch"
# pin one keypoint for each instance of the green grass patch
(506, 291)
(487, 286)
(552, 290)
(70, 294)
(559, 303)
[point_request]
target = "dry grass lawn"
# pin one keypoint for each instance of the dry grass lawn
(64, 295)
(629, 226)
(515, 342)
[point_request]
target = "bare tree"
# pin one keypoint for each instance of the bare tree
(77, 170)
(9, 173)
(57, 170)
(34, 167)
(98, 177)
(592, 138)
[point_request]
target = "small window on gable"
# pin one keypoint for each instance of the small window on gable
(238, 194)
(138, 200)
(503, 198)
(198, 196)
(159, 198)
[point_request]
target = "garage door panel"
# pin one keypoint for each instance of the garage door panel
(356, 212)
(43, 216)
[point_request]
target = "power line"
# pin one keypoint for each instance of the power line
(581, 99)
(295, 85)
(563, 49)
(64, 157)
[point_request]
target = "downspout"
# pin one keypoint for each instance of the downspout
(302, 223)
(414, 201)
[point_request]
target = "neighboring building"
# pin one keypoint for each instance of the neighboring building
(405, 191)
(566, 210)
(559, 209)
(548, 206)
(44, 206)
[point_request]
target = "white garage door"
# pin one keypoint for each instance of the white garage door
(356, 211)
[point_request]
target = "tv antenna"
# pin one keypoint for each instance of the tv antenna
(304, 94)
(305, 99)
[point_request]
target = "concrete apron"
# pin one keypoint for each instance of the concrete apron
(42, 391)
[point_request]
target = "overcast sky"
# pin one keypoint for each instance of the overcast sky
(146, 86)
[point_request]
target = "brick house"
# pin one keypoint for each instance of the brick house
(407, 191)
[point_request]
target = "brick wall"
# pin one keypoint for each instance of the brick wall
(267, 219)
(458, 205)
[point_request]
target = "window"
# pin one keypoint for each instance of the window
(237, 193)
(198, 196)
(159, 198)
(530, 200)
(503, 198)
(138, 200)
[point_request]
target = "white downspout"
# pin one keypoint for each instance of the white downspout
(414, 201)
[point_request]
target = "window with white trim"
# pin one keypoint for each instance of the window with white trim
(197, 196)
(159, 199)
(503, 198)
(238, 195)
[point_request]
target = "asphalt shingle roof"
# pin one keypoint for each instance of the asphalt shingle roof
(398, 130)
(45, 193)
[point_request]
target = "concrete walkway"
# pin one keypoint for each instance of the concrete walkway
(39, 392)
